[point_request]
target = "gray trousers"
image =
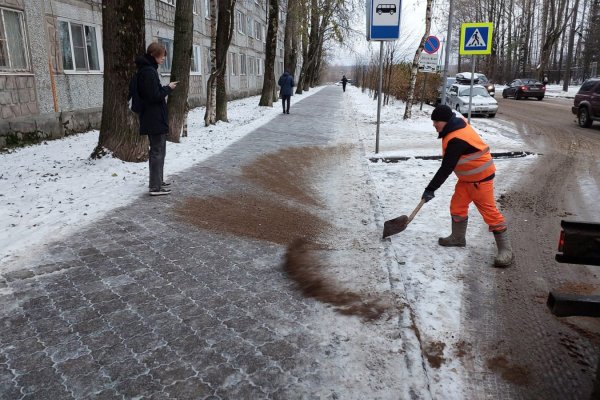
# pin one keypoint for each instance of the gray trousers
(158, 149)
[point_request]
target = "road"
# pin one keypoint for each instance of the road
(539, 356)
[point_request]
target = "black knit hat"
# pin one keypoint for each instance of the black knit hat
(442, 113)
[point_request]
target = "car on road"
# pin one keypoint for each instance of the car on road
(586, 104)
(449, 81)
(481, 79)
(481, 103)
(523, 88)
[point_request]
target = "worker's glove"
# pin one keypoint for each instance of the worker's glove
(427, 195)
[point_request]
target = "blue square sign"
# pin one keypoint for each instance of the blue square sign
(383, 19)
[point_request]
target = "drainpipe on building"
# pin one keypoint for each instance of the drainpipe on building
(53, 85)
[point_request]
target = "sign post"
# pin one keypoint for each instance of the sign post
(428, 62)
(475, 39)
(383, 24)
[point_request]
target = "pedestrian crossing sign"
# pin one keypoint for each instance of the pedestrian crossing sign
(476, 38)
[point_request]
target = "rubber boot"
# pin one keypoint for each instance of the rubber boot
(505, 255)
(457, 238)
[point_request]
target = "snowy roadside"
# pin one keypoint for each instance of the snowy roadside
(52, 189)
(432, 275)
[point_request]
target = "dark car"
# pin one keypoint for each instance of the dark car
(587, 103)
(524, 88)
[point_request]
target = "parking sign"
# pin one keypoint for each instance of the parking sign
(383, 19)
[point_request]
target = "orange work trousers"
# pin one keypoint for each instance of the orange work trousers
(482, 194)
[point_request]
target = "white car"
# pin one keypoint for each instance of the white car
(481, 104)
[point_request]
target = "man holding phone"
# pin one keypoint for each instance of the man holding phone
(154, 120)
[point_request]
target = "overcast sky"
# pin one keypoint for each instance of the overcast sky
(412, 27)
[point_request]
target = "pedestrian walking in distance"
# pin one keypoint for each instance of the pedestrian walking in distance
(286, 83)
(465, 153)
(154, 121)
(344, 82)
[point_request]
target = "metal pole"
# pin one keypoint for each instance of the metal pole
(471, 89)
(447, 53)
(379, 95)
(423, 91)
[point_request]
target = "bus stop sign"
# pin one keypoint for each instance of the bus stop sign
(383, 19)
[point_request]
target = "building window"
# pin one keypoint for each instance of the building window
(233, 62)
(249, 26)
(13, 55)
(207, 8)
(79, 45)
(194, 7)
(197, 60)
(170, 2)
(241, 22)
(242, 64)
(257, 30)
(165, 68)
(258, 66)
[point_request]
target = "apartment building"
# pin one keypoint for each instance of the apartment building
(51, 60)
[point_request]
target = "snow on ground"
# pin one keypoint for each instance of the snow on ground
(432, 275)
(52, 189)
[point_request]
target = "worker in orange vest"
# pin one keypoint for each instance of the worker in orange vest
(465, 153)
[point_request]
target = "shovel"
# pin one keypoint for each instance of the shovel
(398, 224)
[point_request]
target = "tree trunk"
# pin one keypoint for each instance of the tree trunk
(210, 115)
(123, 39)
(266, 99)
(290, 41)
(415, 64)
(224, 35)
(180, 70)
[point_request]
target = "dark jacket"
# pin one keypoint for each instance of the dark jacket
(286, 83)
(153, 118)
(455, 149)
(344, 80)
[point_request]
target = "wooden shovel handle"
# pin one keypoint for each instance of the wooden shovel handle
(416, 210)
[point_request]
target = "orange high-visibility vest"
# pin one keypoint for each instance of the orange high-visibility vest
(475, 166)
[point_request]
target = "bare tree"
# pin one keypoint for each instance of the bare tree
(123, 39)
(224, 36)
(415, 64)
(180, 69)
(266, 99)
(210, 115)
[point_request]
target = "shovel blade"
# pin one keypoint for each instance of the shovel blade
(393, 226)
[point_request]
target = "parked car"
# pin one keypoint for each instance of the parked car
(481, 79)
(449, 81)
(481, 103)
(587, 103)
(524, 88)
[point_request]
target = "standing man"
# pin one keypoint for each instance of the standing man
(545, 80)
(286, 83)
(465, 153)
(154, 121)
(344, 82)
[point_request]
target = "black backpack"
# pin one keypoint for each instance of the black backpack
(136, 103)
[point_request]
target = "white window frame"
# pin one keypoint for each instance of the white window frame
(249, 26)
(169, 2)
(165, 68)
(240, 22)
(257, 30)
(195, 7)
(207, 9)
(233, 62)
(243, 65)
(24, 44)
(258, 67)
(99, 54)
(197, 58)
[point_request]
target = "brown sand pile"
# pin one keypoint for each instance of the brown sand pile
(307, 271)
